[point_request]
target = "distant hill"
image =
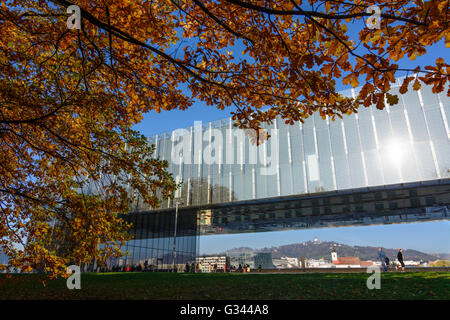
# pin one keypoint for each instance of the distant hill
(443, 256)
(319, 249)
(240, 249)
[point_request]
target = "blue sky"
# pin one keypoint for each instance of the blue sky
(430, 237)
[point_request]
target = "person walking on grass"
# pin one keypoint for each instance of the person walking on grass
(382, 258)
(400, 259)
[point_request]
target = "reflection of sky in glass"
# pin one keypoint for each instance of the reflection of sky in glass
(429, 237)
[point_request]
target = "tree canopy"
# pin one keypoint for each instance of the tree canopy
(69, 97)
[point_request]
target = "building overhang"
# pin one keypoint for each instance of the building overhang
(397, 203)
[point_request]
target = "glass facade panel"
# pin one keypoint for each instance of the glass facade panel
(324, 154)
(354, 152)
(286, 176)
(153, 243)
(249, 186)
(445, 103)
(339, 151)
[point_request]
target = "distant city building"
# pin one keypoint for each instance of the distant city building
(286, 263)
(263, 259)
(207, 263)
(241, 258)
(282, 264)
(348, 262)
(253, 259)
(411, 262)
(334, 256)
(318, 263)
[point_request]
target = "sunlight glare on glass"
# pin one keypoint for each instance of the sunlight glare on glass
(395, 152)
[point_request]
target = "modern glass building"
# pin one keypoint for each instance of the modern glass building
(253, 259)
(356, 170)
(404, 143)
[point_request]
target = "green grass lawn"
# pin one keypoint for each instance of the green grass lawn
(411, 285)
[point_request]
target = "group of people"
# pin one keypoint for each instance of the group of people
(146, 267)
(243, 268)
(193, 267)
(189, 268)
(197, 267)
(385, 263)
